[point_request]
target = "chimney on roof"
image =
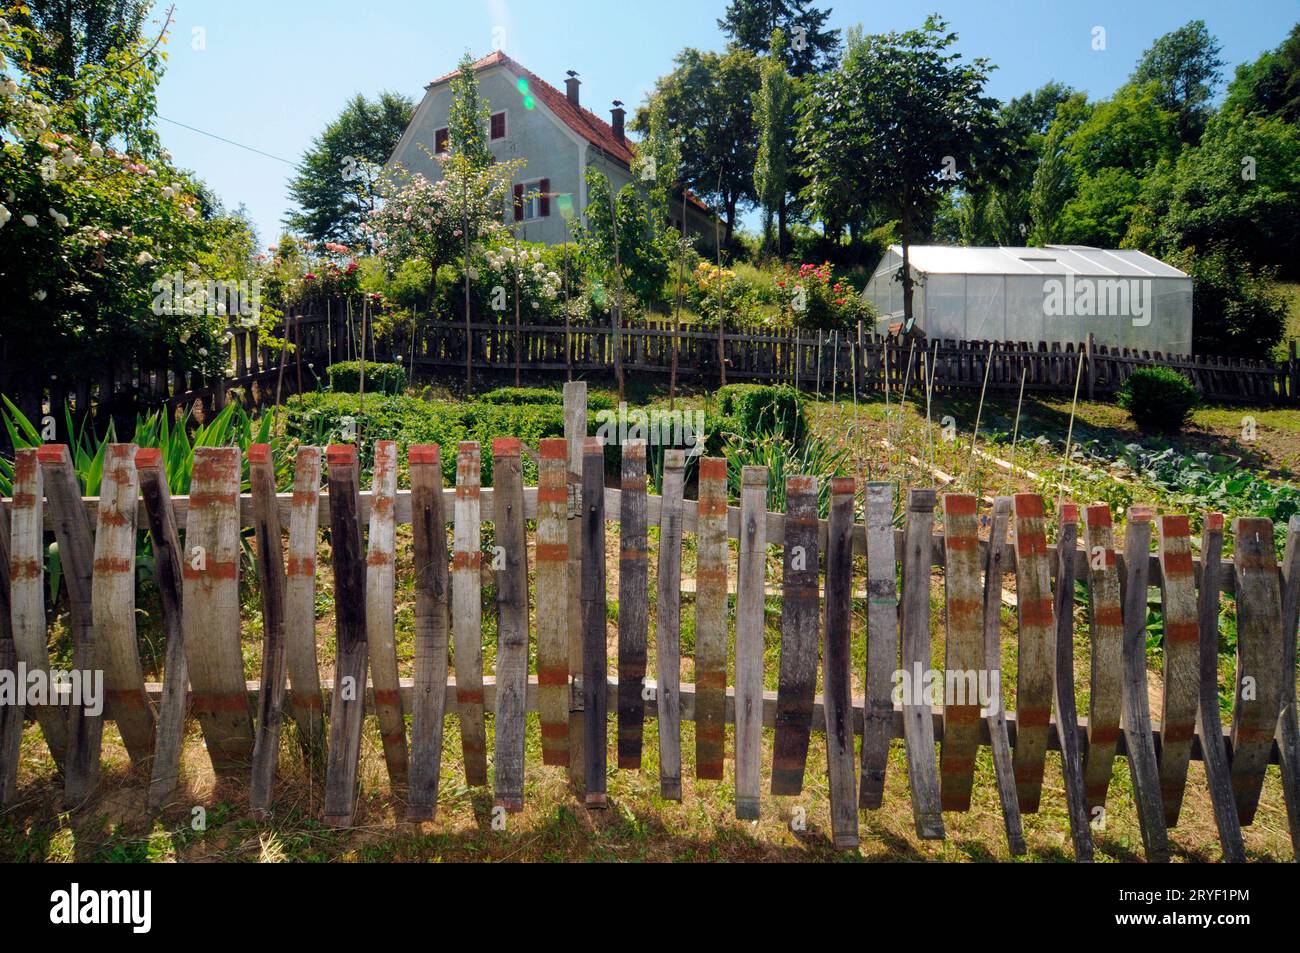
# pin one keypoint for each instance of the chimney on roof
(571, 87)
(616, 118)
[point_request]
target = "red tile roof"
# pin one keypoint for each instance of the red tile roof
(582, 121)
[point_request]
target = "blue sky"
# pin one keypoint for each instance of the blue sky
(271, 74)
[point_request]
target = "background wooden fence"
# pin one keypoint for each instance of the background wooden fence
(822, 362)
(830, 362)
(573, 689)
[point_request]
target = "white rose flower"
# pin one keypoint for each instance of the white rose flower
(5, 215)
(96, 150)
(60, 219)
(143, 258)
(39, 295)
(29, 221)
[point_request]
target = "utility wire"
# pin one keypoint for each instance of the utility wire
(232, 142)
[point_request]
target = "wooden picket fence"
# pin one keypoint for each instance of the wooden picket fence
(825, 362)
(572, 689)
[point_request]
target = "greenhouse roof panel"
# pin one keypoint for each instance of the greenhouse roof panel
(1049, 260)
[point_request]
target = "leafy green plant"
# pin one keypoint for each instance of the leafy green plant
(345, 377)
(1158, 398)
(815, 457)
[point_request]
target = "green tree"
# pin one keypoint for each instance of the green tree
(774, 122)
(1186, 68)
(335, 186)
(1239, 189)
(641, 256)
(901, 121)
(467, 120)
(707, 105)
(1237, 309)
(808, 47)
(79, 34)
(1270, 84)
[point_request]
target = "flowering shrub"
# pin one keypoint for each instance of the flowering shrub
(810, 297)
(97, 228)
(709, 283)
(514, 272)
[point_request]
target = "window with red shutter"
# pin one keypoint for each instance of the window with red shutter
(498, 126)
(440, 140)
(519, 203)
(544, 200)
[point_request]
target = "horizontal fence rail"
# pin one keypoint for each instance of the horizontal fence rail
(574, 674)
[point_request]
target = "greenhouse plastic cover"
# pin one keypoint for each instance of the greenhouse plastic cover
(1125, 298)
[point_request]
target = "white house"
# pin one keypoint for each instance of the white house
(1060, 293)
(558, 138)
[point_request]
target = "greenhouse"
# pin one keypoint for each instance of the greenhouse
(1059, 293)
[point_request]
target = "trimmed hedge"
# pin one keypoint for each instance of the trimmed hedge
(345, 377)
(752, 409)
(1158, 398)
(542, 395)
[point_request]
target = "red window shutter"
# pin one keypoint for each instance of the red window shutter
(519, 203)
(498, 126)
(544, 201)
(440, 141)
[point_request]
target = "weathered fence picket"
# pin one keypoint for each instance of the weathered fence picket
(467, 613)
(553, 607)
(801, 610)
(511, 565)
(1288, 730)
(712, 555)
(918, 725)
(72, 533)
(999, 739)
(750, 601)
(300, 607)
(380, 631)
(882, 643)
(11, 714)
(1106, 640)
(432, 620)
(1181, 684)
(1036, 650)
(836, 665)
(174, 704)
(668, 629)
(633, 603)
(271, 582)
(963, 651)
(594, 660)
(343, 761)
(1063, 689)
